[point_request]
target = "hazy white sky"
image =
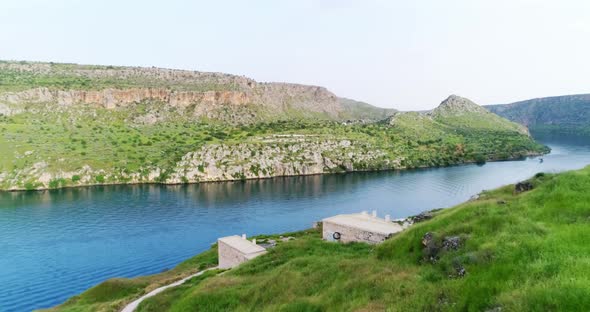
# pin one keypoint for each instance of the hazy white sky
(402, 54)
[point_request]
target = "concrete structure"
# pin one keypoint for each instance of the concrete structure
(233, 250)
(360, 227)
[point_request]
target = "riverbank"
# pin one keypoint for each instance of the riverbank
(506, 251)
(521, 156)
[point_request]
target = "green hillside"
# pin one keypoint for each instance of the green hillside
(505, 251)
(67, 125)
(360, 110)
(569, 113)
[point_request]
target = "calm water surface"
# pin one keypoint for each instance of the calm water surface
(55, 244)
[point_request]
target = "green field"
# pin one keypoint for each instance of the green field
(519, 252)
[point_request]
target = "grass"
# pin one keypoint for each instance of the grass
(112, 295)
(521, 252)
(115, 147)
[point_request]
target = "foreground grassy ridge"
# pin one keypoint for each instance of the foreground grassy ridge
(521, 252)
(112, 295)
(113, 145)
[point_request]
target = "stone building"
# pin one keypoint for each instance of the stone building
(233, 250)
(360, 227)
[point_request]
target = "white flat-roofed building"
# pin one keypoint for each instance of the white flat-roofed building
(233, 250)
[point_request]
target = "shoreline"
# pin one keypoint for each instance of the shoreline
(520, 158)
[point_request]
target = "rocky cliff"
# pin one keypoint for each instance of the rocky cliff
(215, 96)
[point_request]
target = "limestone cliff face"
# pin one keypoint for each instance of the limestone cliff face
(212, 95)
(113, 98)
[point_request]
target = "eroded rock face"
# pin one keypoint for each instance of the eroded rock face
(248, 161)
(271, 157)
(112, 98)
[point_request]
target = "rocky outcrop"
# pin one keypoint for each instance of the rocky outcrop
(69, 85)
(250, 161)
(273, 157)
(456, 105)
(112, 98)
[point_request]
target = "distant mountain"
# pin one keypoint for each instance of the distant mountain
(352, 109)
(459, 113)
(569, 113)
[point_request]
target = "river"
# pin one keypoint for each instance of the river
(55, 244)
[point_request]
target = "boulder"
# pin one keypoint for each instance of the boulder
(431, 249)
(451, 243)
(521, 187)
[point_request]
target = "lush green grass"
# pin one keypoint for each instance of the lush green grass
(521, 252)
(112, 295)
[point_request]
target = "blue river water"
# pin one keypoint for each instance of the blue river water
(55, 244)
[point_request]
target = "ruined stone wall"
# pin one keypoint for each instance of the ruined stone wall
(350, 234)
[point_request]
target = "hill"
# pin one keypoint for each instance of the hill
(352, 109)
(71, 125)
(569, 113)
(505, 251)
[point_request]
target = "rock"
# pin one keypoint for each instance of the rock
(268, 244)
(459, 270)
(423, 216)
(501, 202)
(451, 243)
(431, 249)
(521, 187)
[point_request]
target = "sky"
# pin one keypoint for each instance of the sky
(408, 55)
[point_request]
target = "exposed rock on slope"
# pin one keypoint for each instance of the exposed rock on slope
(454, 111)
(213, 96)
(456, 106)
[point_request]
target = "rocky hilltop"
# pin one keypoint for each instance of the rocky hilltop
(198, 95)
(570, 113)
(70, 125)
(456, 105)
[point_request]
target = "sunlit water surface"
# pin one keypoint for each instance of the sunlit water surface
(55, 244)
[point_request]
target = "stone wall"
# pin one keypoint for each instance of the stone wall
(350, 234)
(230, 257)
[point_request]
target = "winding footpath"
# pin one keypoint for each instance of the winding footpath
(133, 305)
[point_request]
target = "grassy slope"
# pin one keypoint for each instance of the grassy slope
(112, 295)
(521, 252)
(105, 140)
(364, 111)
